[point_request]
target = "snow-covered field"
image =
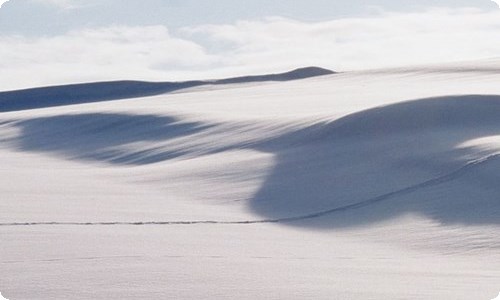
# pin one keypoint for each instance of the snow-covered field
(379, 184)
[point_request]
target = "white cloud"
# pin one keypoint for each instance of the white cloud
(497, 2)
(2, 2)
(274, 44)
(101, 54)
(346, 44)
(59, 3)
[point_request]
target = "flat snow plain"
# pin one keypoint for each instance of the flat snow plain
(380, 184)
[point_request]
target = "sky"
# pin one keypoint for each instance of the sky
(49, 42)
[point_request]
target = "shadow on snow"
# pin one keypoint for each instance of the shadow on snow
(364, 168)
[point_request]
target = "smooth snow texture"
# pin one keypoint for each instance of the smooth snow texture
(365, 185)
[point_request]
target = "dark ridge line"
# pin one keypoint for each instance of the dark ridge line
(296, 74)
(81, 93)
(408, 190)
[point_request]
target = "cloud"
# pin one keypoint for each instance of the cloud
(55, 2)
(62, 5)
(497, 2)
(360, 43)
(2, 2)
(98, 54)
(258, 46)
(55, 17)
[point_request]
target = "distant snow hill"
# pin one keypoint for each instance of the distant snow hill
(113, 90)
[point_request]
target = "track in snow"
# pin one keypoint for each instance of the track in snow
(408, 190)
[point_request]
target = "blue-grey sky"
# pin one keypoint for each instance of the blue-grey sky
(61, 41)
(36, 17)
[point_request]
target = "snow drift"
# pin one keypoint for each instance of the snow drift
(340, 178)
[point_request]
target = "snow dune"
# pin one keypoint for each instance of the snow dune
(379, 185)
(385, 153)
(105, 91)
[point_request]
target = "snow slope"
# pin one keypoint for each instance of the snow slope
(105, 91)
(380, 184)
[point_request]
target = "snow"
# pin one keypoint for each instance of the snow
(378, 184)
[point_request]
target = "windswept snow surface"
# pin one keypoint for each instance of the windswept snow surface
(380, 184)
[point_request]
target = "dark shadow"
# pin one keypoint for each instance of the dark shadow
(387, 162)
(117, 90)
(86, 93)
(301, 73)
(104, 137)
(367, 167)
